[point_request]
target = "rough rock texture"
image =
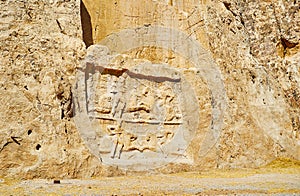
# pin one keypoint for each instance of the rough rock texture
(240, 59)
(40, 48)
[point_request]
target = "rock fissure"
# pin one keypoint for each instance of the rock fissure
(171, 85)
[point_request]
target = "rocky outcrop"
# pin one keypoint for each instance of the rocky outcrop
(164, 85)
(41, 46)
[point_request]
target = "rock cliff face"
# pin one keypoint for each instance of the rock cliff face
(164, 85)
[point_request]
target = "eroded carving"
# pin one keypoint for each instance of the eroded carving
(137, 113)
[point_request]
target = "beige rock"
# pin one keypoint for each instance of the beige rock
(221, 79)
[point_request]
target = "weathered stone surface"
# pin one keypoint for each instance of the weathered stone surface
(40, 49)
(216, 83)
(142, 114)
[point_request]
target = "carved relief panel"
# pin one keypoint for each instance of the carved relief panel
(140, 114)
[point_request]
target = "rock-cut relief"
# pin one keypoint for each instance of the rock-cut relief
(135, 114)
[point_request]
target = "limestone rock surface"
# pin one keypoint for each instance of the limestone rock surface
(92, 88)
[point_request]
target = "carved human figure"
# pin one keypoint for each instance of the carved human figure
(139, 114)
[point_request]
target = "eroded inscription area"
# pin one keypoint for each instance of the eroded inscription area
(133, 113)
(138, 112)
